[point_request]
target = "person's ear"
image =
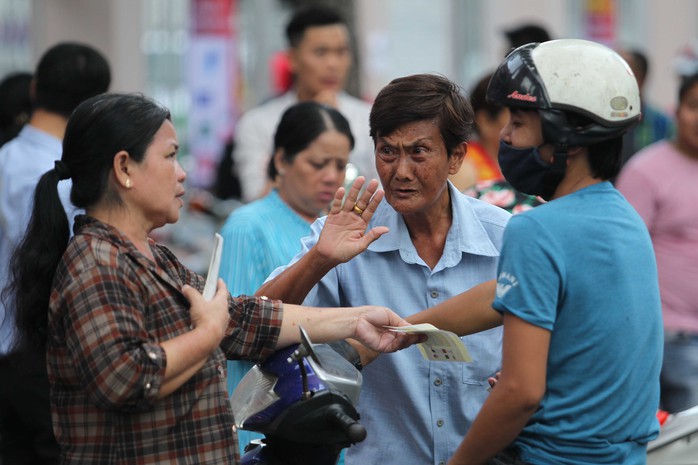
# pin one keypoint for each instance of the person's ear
(574, 151)
(279, 163)
(457, 156)
(122, 169)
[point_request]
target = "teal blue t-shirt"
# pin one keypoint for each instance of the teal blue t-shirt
(583, 267)
(257, 238)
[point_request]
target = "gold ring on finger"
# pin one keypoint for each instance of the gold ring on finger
(358, 210)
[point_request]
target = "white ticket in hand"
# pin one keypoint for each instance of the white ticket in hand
(441, 346)
(213, 267)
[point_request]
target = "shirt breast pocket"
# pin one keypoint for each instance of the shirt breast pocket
(485, 349)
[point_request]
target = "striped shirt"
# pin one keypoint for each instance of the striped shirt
(110, 309)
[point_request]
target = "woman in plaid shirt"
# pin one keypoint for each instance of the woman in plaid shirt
(135, 355)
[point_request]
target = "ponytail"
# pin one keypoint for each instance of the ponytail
(100, 127)
(35, 260)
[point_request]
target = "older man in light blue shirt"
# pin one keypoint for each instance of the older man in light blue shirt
(413, 409)
(424, 243)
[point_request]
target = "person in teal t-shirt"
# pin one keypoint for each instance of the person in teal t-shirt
(577, 289)
(311, 150)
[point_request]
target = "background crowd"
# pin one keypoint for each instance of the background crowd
(279, 173)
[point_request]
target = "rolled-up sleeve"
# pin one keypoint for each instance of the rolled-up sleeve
(254, 328)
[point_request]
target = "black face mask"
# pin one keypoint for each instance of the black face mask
(528, 173)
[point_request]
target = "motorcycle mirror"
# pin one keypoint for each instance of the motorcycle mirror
(305, 349)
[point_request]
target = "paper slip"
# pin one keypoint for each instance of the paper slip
(442, 346)
(213, 267)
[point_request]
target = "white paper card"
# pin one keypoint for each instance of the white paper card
(213, 267)
(441, 346)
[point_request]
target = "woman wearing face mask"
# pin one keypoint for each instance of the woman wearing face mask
(577, 289)
(480, 176)
(311, 150)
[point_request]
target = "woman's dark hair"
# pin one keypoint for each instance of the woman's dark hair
(479, 102)
(300, 125)
(98, 129)
(478, 98)
(423, 97)
(687, 82)
(605, 157)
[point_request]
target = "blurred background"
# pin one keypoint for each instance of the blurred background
(210, 60)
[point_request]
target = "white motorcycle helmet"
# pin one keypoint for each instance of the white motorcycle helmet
(566, 76)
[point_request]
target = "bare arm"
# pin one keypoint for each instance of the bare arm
(365, 324)
(516, 396)
(296, 281)
(467, 313)
(343, 237)
(187, 353)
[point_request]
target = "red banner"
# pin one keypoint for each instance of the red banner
(600, 21)
(212, 17)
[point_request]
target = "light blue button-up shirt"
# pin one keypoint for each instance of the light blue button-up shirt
(23, 161)
(416, 411)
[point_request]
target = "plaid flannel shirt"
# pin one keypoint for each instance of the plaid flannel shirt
(110, 309)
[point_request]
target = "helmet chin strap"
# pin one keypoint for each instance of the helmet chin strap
(557, 171)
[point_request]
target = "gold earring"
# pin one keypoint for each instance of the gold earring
(128, 183)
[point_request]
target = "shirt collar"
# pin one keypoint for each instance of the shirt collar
(274, 198)
(467, 233)
(85, 224)
(89, 225)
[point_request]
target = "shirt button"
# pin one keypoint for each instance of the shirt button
(442, 463)
(147, 385)
(439, 423)
(220, 370)
(434, 294)
(152, 355)
(437, 382)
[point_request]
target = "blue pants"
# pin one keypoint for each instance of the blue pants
(679, 379)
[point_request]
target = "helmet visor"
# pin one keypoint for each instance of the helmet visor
(516, 83)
